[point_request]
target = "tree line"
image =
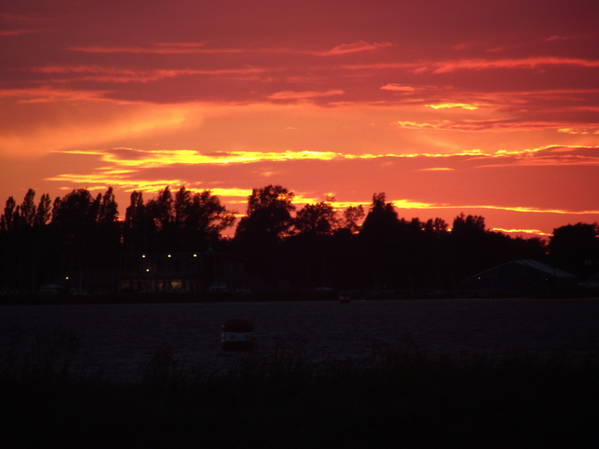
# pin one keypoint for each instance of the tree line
(312, 246)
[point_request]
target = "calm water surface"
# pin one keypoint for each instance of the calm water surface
(117, 340)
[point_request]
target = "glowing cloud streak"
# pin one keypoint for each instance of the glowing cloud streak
(353, 47)
(301, 95)
(394, 87)
(124, 181)
(160, 158)
(437, 169)
(119, 75)
(182, 48)
(469, 107)
(144, 158)
(523, 231)
(447, 66)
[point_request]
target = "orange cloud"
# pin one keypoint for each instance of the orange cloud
(481, 125)
(579, 131)
(90, 122)
(394, 87)
(150, 158)
(525, 209)
(129, 179)
(129, 157)
(420, 125)
(99, 181)
(410, 204)
(305, 94)
(469, 107)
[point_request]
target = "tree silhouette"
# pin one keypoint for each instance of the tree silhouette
(7, 223)
(43, 212)
(207, 216)
(381, 221)
(259, 233)
(182, 207)
(80, 237)
(136, 226)
(437, 226)
(199, 218)
(316, 219)
(160, 210)
(352, 217)
(268, 215)
(576, 248)
(27, 209)
(108, 212)
(381, 243)
(471, 225)
(75, 211)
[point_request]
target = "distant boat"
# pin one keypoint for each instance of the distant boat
(343, 298)
(238, 335)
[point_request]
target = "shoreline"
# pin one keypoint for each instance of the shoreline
(35, 300)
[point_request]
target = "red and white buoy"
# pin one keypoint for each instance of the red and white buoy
(238, 335)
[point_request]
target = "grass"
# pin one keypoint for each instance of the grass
(397, 397)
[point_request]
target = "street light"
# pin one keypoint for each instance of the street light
(143, 256)
(169, 255)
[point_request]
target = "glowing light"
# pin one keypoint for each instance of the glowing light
(66, 278)
(147, 270)
(195, 255)
(143, 256)
(169, 255)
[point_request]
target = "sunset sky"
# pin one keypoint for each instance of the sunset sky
(478, 106)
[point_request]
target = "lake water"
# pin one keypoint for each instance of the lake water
(117, 340)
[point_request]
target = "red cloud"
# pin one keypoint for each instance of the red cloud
(121, 75)
(20, 32)
(476, 64)
(353, 47)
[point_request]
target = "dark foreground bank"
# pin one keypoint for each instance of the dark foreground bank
(396, 397)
